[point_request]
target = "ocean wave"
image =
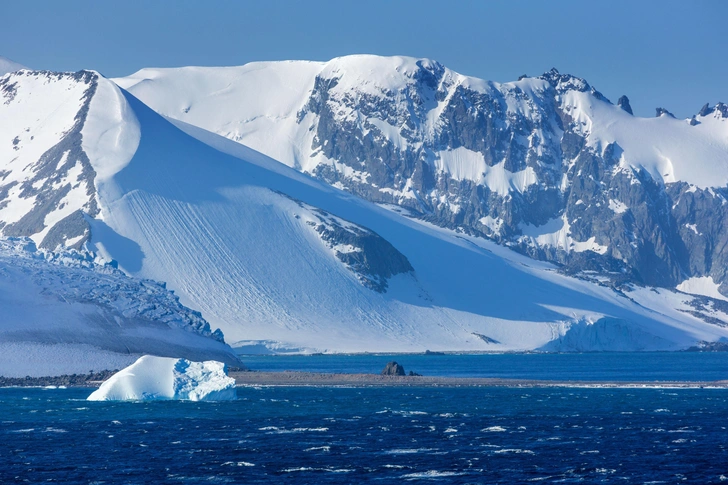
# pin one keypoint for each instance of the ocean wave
(311, 469)
(319, 448)
(431, 474)
(408, 451)
(515, 450)
(277, 430)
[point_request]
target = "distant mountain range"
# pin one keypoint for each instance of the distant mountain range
(379, 204)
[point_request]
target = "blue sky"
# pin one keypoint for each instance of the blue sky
(659, 53)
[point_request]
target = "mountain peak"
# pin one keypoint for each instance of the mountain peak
(719, 110)
(567, 82)
(623, 102)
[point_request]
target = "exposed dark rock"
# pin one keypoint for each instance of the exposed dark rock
(703, 346)
(393, 369)
(641, 228)
(73, 380)
(54, 167)
(486, 339)
(722, 108)
(662, 111)
(73, 226)
(368, 255)
(623, 102)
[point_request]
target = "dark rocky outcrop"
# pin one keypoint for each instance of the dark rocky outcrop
(50, 181)
(623, 102)
(662, 111)
(92, 379)
(640, 229)
(393, 369)
(373, 259)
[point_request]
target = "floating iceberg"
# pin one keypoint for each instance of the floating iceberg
(162, 378)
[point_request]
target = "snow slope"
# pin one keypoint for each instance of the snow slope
(68, 312)
(267, 253)
(158, 378)
(669, 149)
(220, 231)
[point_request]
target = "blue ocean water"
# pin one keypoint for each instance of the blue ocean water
(369, 435)
(596, 366)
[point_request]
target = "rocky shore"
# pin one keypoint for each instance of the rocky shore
(93, 379)
(290, 378)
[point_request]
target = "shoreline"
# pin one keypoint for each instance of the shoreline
(321, 379)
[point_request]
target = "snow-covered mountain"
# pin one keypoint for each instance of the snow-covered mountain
(546, 165)
(273, 256)
(69, 312)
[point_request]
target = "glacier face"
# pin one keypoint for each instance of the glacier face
(545, 165)
(69, 312)
(269, 254)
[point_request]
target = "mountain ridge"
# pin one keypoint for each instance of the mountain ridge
(500, 160)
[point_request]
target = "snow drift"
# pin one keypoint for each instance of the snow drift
(158, 378)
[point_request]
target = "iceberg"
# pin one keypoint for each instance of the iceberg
(153, 378)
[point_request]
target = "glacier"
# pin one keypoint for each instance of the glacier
(153, 378)
(272, 255)
(72, 312)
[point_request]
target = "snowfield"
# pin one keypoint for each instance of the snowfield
(270, 255)
(157, 378)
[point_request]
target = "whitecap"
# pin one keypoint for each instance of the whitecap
(515, 450)
(276, 430)
(319, 448)
(310, 469)
(408, 451)
(431, 474)
(410, 413)
(493, 429)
